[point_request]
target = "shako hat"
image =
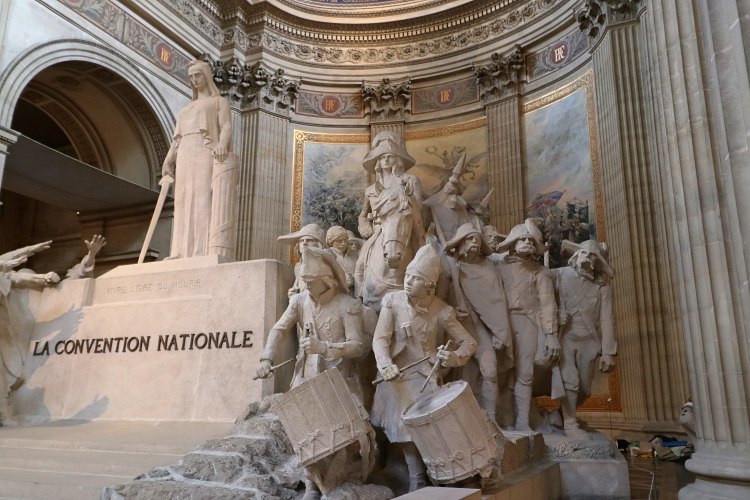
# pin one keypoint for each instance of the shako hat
(426, 263)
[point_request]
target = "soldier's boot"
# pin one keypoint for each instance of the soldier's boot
(523, 406)
(489, 397)
(415, 466)
(570, 422)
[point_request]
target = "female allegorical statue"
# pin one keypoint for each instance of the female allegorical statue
(204, 169)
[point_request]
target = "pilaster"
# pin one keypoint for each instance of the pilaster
(8, 137)
(261, 100)
(499, 85)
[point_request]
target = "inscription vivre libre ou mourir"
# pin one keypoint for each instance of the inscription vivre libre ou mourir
(240, 339)
(153, 286)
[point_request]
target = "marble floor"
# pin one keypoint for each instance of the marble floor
(653, 479)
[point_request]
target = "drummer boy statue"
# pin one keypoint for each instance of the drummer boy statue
(413, 324)
(330, 324)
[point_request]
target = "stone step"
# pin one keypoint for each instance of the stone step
(76, 460)
(126, 464)
(42, 484)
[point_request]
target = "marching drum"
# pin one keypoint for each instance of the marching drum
(452, 433)
(322, 416)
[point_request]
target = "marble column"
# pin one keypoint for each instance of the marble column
(499, 91)
(387, 105)
(652, 352)
(261, 104)
(700, 97)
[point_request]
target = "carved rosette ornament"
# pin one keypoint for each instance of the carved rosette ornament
(502, 77)
(592, 18)
(387, 102)
(249, 87)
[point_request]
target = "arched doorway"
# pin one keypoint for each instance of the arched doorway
(90, 114)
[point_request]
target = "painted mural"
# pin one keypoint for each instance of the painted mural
(562, 159)
(329, 181)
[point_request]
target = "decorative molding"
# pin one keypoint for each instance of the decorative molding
(445, 96)
(387, 102)
(327, 105)
(249, 87)
(446, 130)
(502, 77)
(557, 55)
(264, 27)
(592, 18)
(126, 29)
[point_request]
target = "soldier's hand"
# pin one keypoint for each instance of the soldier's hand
(390, 372)
(564, 317)
(551, 348)
(264, 370)
(313, 345)
(498, 344)
(606, 363)
(447, 358)
(51, 278)
(365, 229)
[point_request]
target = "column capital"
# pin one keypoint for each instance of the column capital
(500, 78)
(387, 101)
(255, 86)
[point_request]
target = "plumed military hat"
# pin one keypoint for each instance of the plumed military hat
(527, 229)
(426, 263)
(312, 230)
(465, 230)
(322, 262)
(600, 251)
(383, 143)
(334, 233)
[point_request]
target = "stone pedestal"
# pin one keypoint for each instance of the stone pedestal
(172, 340)
(590, 468)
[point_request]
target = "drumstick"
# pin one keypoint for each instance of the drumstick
(410, 365)
(275, 367)
(436, 366)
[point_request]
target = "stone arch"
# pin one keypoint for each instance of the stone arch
(31, 62)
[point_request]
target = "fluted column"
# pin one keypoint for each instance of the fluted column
(261, 104)
(499, 90)
(700, 94)
(653, 369)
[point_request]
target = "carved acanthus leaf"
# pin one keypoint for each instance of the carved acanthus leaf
(500, 78)
(254, 86)
(387, 101)
(591, 18)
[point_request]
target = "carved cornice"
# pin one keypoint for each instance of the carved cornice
(252, 28)
(254, 87)
(502, 77)
(387, 102)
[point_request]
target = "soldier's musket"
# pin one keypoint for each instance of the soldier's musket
(302, 356)
(436, 365)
